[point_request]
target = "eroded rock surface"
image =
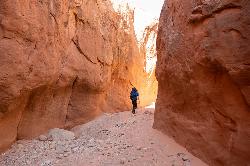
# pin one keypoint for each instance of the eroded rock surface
(203, 73)
(63, 63)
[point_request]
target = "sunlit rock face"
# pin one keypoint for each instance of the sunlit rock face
(63, 63)
(149, 85)
(145, 22)
(204, 78)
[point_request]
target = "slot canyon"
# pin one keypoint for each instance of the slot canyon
(67, 69)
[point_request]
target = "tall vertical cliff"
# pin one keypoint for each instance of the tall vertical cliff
(63, 63)
(203, 73)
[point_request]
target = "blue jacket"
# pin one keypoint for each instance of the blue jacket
(134, 94)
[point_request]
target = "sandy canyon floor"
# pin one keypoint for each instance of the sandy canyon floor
(110, 140)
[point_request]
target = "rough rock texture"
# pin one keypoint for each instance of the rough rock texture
(203, 71)
(62, 63)
(149, 86)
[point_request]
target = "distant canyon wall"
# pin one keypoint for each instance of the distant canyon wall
(203, 71)
(62, 63)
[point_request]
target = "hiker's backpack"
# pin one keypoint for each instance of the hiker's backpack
(134, 94)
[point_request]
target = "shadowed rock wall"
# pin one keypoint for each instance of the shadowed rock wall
(203, 73)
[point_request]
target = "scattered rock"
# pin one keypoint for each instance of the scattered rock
(46, 163)
(60, 156)
(180, 154)
(119, 125)
(121, 134)
(28, 162)
(52, 145)
(20, 146)
(122, 162)
(185, 158)
(65, 154)
(43, 138)
(147, 112)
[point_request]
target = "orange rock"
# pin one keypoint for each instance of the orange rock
(204, 78)
(62, 64)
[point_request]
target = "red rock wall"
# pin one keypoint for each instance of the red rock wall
(63, 63)
(148, 50)
(203, 73)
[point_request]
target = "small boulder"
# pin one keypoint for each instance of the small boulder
(65, 155)
(20, 146)
(60, 135)
(122, 161)
(42, 138)
(185, 158)
(46, 162)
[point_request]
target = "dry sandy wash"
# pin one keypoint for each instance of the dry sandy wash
(111, 139)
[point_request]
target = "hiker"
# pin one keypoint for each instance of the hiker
(134, 96)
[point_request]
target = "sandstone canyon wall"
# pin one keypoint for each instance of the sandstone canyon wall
(63, 63)
(203, 71)
(148, 83)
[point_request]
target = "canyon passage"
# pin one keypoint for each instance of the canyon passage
(67, 68)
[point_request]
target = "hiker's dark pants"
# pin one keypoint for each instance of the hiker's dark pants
(134, 102)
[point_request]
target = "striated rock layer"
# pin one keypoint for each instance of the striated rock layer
(62, 63)
(203, 71)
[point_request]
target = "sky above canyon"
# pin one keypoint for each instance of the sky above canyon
(146, 11)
